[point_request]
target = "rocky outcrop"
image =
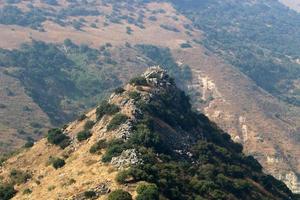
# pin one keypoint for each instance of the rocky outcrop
(128, 158)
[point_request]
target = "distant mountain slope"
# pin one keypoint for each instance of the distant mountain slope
(145, 140)
(99, 45)
(293, 4)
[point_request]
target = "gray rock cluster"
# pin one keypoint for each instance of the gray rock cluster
(125, 130)
(157, 76)
(99, 190)
(127, 158)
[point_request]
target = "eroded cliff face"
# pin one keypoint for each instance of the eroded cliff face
(249, 126)
(254, 118)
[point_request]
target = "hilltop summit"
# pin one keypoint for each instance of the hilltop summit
(144, 142)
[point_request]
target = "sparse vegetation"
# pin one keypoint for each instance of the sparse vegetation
(18, 176)
(116, 121)
(27, 191)
(119, 195)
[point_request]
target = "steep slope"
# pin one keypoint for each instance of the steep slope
(145, 140)
(103, 55)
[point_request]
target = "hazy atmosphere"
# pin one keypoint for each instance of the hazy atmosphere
(150, 99)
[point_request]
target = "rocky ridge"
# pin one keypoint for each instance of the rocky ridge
(149, 122)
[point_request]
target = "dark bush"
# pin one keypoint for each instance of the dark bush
(90, 194)
(27, 191)
(29, 144)
(115, 148)
(119, 195)
(57, 137)
(58, 163)
(147, 192)
(185, 45)
(83, 135)
(122, 176)
(82, 117)
(119, 90)
(7, 191)
(101, 144)
(89, 124)
(138, 81)
(106, 108)
(116, 121)
(134, 95)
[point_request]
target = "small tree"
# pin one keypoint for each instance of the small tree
(106, 108)
(83, 135)
(89, 124)
(147, 192)
(90, 194)
(101, 144)
(7, 191)
(119, 195)
(119, 90)
(57, 137)
(58, 163)
(116, 121)
(138, 81)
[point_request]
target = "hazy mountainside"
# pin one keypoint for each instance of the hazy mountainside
(293, 4)
(144, 140)
(76, 52)
(255, 37)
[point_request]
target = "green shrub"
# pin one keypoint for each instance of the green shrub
(83, 135)
(119, 195)
(101, 144)
(27, 191)
(116, 121)
(58, 163)
(115, 148)
(89, 124)
(90, 194)
(18, 176)
(106, 108)
(7, 191)
(119, 90)
(28, 144)
(122, 176)
(138, 81)
(57, 137)
(147, 192)
(82, 117)
(134, 95)
(185, 45)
